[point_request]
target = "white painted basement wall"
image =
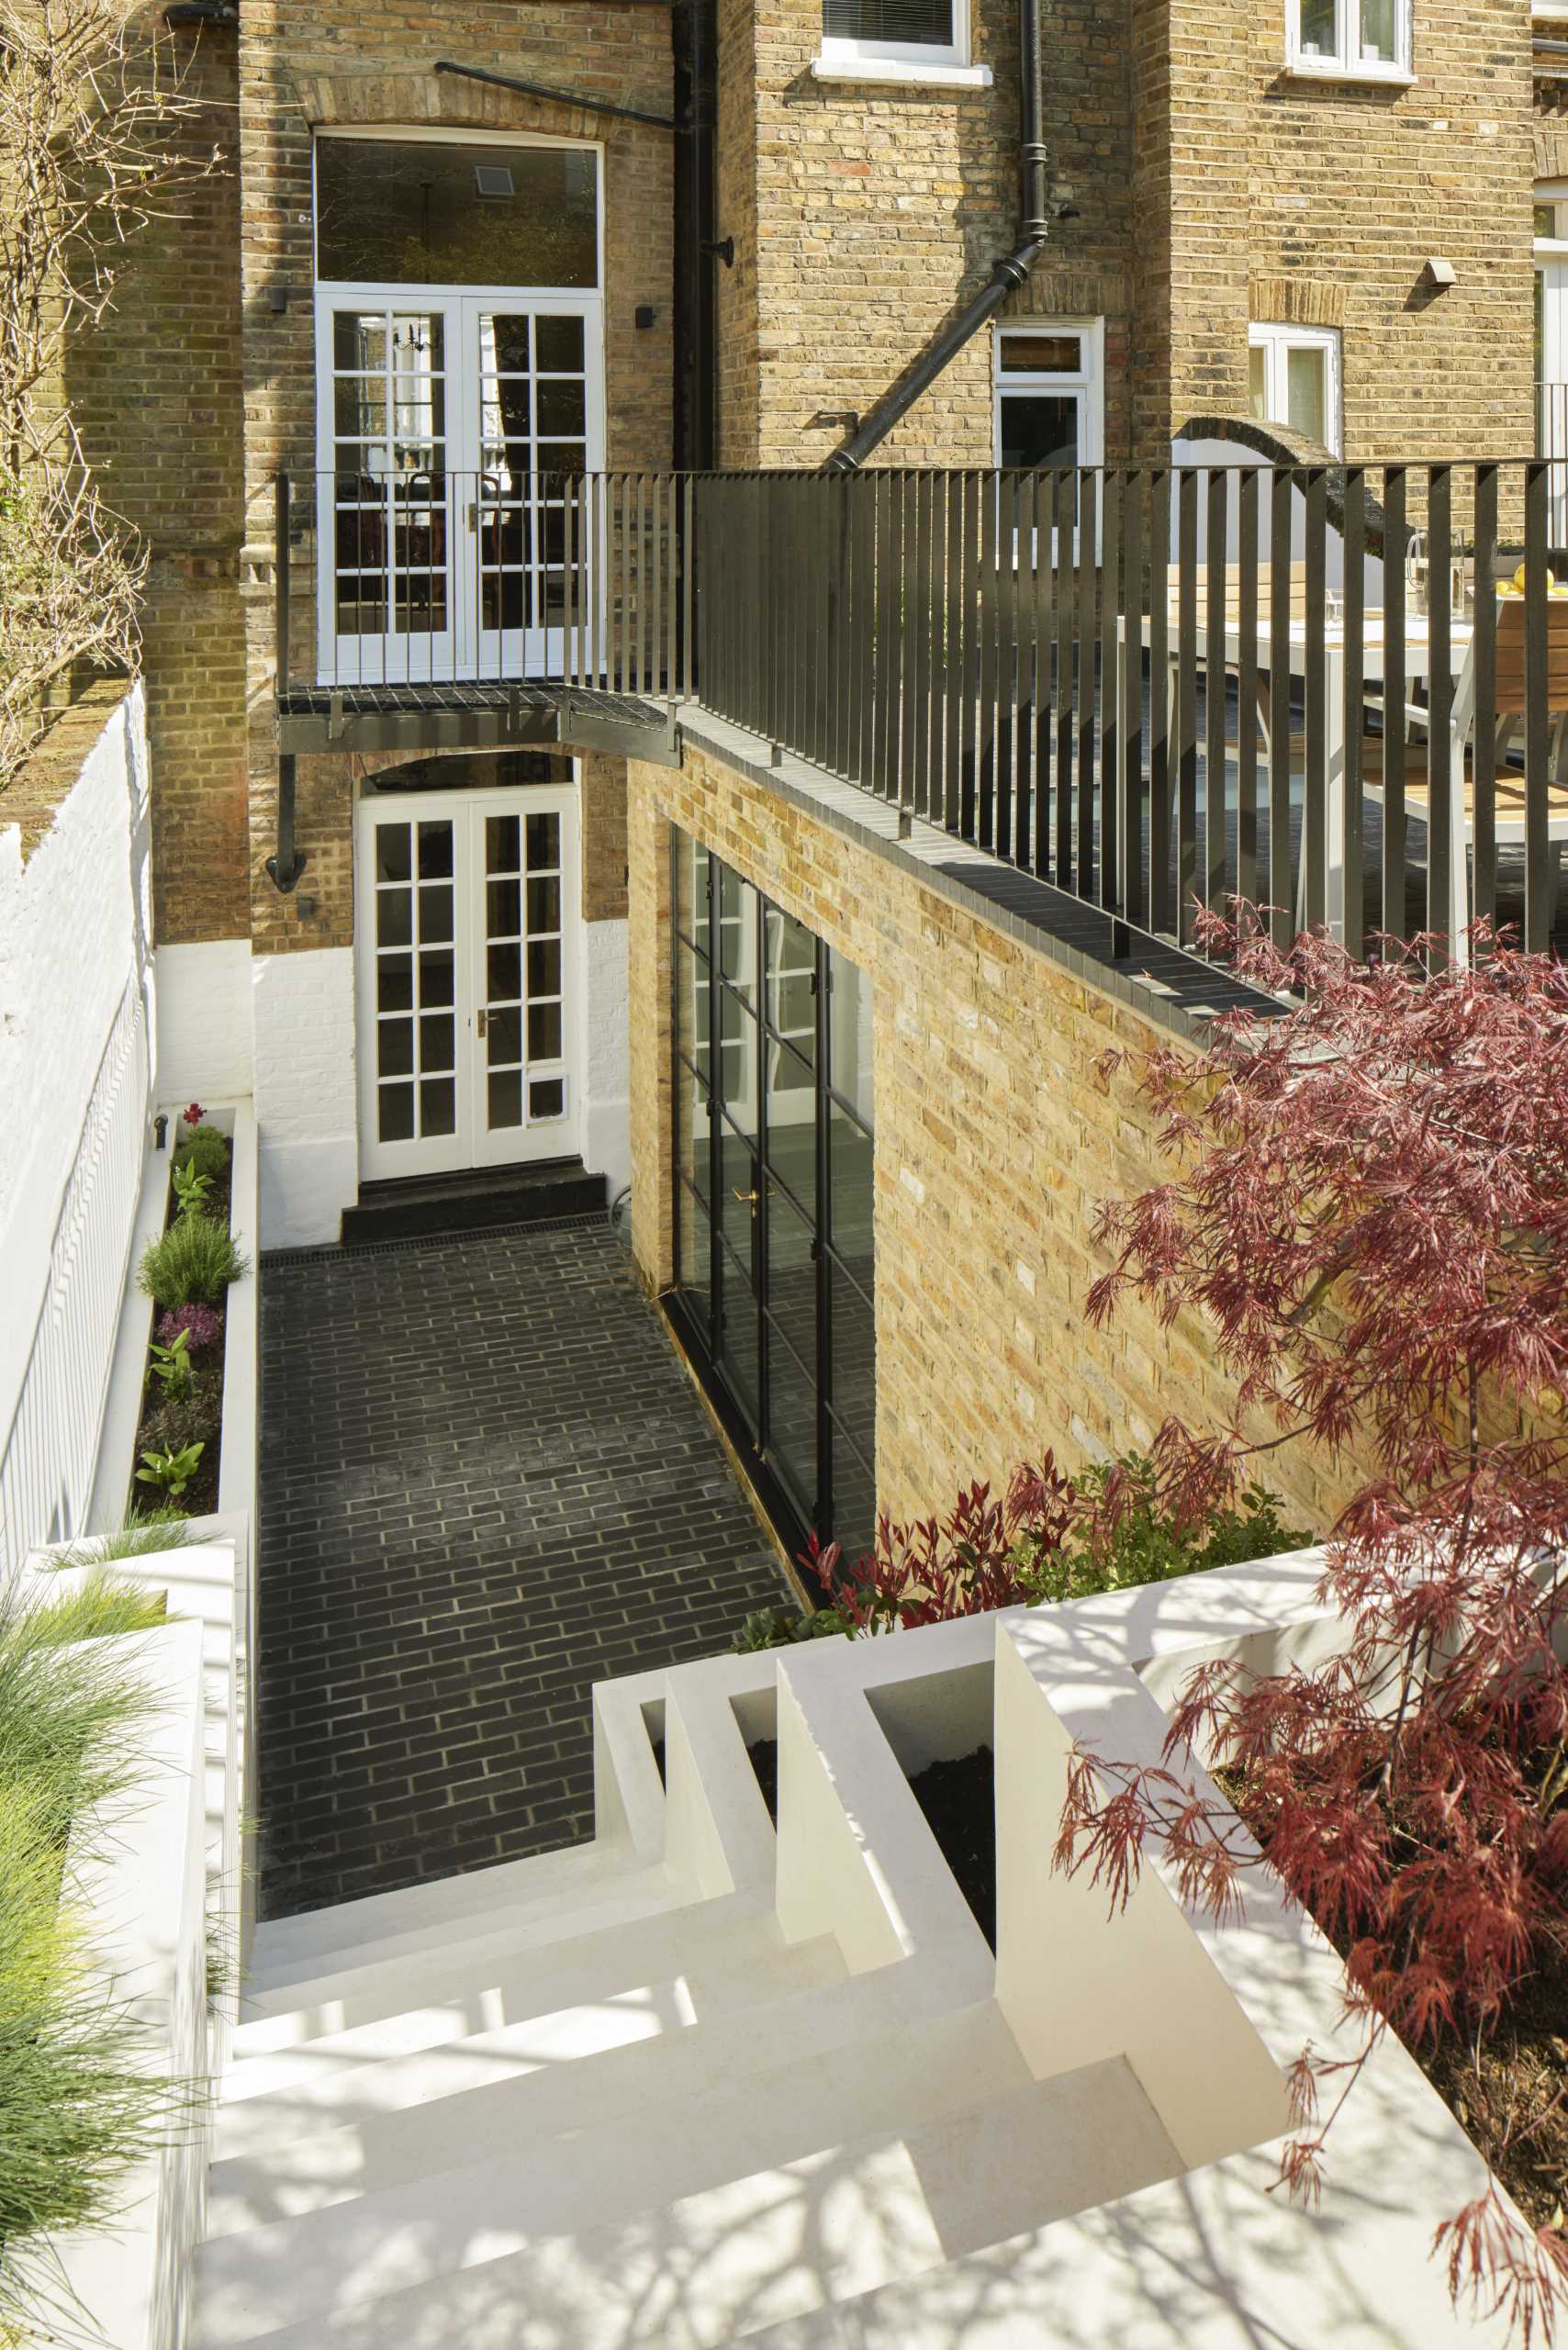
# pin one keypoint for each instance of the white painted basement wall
(76, 1076)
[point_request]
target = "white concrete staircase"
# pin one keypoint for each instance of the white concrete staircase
(623, 2095)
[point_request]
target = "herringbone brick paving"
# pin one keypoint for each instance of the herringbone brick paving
(486, 1484)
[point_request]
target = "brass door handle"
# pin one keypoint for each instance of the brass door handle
(481, 1021)
(743, 1197)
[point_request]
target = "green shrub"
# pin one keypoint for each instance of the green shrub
(204, 1152)
(776, 1628)
(1146, 1547)
(78, 2104)
(192, 1264)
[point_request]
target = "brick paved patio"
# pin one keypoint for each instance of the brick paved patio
(486, 1483)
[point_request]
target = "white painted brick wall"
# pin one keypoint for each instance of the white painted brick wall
(74, 956)
(303, 1024)
(204, 1050)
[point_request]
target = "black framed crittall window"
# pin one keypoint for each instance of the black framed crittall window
(773, 1153)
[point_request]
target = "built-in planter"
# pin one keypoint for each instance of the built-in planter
(171, 1418)
(940, 1728)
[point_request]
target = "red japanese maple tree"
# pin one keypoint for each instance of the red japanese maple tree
(1370, 1209)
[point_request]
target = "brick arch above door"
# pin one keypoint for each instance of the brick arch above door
(337, 101)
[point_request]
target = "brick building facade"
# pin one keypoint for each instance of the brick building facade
(1245, 206)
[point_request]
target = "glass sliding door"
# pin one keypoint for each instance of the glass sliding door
(773, 1140)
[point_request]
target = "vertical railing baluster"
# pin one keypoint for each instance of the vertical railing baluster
(1314, 803)
(1002, 754)
(1483, 726)
(921, 601)
(952, 666)
(1395, 697)
(1539, 876)
(1129, 651)
(1445, 851)
(1064, 493)
(1088, 486)
(1282, 534)
(1216, 676)
(1026, 803)
(968, 768)
(1161, 912)
(1186, 700)
(1352, 785)
(989, 593)
(1109, 877)
(1246, 624)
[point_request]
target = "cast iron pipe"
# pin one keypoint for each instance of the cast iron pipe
(558, 98)
(1010, 272)
(285, 869)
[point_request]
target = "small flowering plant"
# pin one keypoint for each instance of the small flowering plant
(202, 1326)
(193, 1113)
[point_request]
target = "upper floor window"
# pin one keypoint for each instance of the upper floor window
(897, 40)
(1350, 39)
(426, 212)
(1294, 381)
(1050, 401)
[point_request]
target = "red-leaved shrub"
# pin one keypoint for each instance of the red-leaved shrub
(1370, 1211)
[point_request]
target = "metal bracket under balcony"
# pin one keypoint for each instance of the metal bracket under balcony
(476, 715)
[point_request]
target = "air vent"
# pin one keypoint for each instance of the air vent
(493, 181)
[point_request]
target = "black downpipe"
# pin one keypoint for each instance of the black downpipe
(694, 44)
(1011, 271)
(285, 869)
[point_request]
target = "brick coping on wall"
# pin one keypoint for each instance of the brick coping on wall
(1161, 981)
(50, 773)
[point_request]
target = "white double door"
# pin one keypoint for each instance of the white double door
(465, 953)
(449, 426)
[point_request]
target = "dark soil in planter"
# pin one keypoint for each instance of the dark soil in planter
(959, 1803)
(167, 1426)
(764, 1754)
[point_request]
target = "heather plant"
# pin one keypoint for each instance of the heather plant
(1370, 1208)
(192, 1263)
(201, 1325)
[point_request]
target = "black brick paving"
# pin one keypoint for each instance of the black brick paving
(485, 1484)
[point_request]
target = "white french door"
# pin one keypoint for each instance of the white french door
(448, 425)
(465, 931)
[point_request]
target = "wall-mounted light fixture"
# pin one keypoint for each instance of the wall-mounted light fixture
(723, 249)
(644, 315)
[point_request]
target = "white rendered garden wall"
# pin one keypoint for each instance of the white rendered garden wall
(76, 1072)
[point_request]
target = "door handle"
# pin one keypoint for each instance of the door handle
(481, 1021)
(743, 1197)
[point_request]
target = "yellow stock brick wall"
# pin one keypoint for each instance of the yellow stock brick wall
(996, 1135)
(157, 397)
(336, 63)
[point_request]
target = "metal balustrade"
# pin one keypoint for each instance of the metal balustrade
(1315, 687)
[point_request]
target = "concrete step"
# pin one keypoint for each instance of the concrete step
(434, 2009)
(705, 2266)
(476, 1200)
(360, 1991)
(509, 2191)
(581, 2070)
(514, 1906)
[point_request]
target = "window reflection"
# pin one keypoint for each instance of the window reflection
(392, 212)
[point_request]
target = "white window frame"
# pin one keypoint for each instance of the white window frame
(842, 60)
(1087, 382)
(1348, 63)
(1276, 340)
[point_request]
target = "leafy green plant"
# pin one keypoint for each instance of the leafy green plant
(171, 1473)
(172, 1366)
(1127, 1538)
(78, 2103)
(191, 1188)
(203, 1152)
(776, 1628)
(193, 1262)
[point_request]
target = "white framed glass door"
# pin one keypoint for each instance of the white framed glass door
(538, 422)
(447, 426)
(466, 939)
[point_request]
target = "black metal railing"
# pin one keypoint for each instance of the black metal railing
(1341, 691)
(435, 579)
(1313, 687)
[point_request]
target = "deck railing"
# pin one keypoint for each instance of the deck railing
(1314, 687)
(1160, 687)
